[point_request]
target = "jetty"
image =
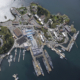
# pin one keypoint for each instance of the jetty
(58, 52)
(19, 55)
(15, 54)
(23, 54)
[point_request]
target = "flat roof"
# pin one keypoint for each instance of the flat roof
(21, 40)
(17, 32)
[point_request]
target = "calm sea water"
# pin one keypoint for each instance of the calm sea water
(63, 69)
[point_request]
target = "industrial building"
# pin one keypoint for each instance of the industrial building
(17, 32)
(21, 40)
(36, 51)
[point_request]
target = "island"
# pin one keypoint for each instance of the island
(32, 29)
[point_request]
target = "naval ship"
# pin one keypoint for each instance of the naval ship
(45, 65)
(35, 68)
(40, 68)
(49, 59)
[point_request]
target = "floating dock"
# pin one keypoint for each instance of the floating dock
(40, 68)
(36, 68)
(23, 54)
(48, 58)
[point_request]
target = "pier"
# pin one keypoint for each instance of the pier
(58, 52)
(15, 54)
(23, 54)
(48, 58)
(19, 55)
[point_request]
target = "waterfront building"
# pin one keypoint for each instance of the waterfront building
(15, 22)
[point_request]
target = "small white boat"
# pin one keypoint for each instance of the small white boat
(11, 56)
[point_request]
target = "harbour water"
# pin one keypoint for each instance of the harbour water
(63, 69)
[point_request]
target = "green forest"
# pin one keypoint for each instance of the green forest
(7, 40)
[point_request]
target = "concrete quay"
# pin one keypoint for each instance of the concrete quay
(58, 52)
(68, 48)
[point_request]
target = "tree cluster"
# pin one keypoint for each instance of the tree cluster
(7, 40)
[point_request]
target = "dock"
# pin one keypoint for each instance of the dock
(35, 64)
(58, 52)
(71, 43)
(15, 54)
(48, 58)
(19, 55)
(40, 68)
(46, 61)
(23, 54)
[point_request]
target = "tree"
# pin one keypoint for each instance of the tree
(73, 30)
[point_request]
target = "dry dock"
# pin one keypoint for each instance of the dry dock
(37, 68)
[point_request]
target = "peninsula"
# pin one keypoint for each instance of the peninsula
(32, 29)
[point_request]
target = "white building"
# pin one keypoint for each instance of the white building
(64, 34)
(55, 34)
(39, 19)
(41, 38)
(36, 16)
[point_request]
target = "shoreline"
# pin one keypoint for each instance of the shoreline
(9, 52)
